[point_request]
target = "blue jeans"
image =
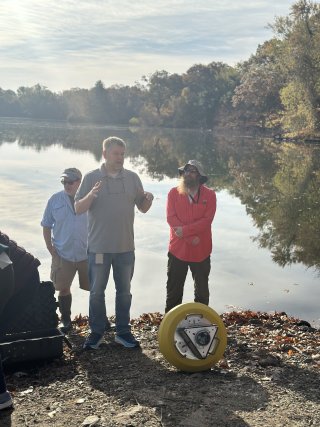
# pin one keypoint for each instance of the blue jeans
(122, 267)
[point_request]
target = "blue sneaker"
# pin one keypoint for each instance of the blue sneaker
(93, 341)
(5, 400)
(127, 340)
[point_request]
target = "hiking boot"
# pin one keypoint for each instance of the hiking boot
(93, 341)
(127, 340)
(5, 400)
(65, 310)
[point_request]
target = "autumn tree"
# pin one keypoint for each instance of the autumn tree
(257, 97)
(300, 37)
(161, 88)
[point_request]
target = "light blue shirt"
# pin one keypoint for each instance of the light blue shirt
(69, 232)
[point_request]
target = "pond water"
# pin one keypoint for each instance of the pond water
(266, 233)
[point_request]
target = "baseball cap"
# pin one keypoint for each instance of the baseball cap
(73, 174)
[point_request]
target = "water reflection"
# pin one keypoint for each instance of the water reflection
(278, 184)
(268, 198)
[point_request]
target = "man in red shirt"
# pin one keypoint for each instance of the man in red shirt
(190, 211)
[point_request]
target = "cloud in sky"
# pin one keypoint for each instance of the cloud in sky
(74, 43)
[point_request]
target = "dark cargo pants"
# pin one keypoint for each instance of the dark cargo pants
(177, 272)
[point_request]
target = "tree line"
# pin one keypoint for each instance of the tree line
(278, 87)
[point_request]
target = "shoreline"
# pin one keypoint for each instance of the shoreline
(270, 371)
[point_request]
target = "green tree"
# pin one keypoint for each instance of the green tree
(39, 102)
(124, 103)
(99, 104)
(77, 104)
(9, 104)
(257, 97)
(300, 36)
(161, 88)
(206, 89)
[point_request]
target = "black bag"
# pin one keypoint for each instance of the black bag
(32, 313)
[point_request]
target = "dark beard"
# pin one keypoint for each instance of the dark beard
(184, 188)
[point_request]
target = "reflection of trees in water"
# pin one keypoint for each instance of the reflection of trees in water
(280, 187)
(295, 232)
(278, 184)
(164, 150)
(77, 138)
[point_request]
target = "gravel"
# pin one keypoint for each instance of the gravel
(269, 376)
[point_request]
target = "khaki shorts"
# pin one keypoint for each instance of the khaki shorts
(63, 273)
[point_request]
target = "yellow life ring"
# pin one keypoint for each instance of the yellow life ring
(192, 337)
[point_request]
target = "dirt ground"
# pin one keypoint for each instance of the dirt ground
(268, 377)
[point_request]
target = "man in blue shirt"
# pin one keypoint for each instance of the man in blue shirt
(65, 235)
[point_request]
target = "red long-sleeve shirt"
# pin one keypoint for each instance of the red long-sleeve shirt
(195, 220)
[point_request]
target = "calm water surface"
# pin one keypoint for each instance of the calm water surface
(266, 249)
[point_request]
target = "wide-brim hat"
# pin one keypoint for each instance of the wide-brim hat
(71, 173)
(199, 167)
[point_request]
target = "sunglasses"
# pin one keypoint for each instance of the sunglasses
(193, 171)
(65, 182)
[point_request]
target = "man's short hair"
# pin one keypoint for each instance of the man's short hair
(111, 141)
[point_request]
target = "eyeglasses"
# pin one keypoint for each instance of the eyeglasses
(65, 182)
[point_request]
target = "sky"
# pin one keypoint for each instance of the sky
(74, 43)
